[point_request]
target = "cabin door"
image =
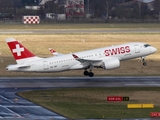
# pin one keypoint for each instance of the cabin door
(137, 49)
(45, 65)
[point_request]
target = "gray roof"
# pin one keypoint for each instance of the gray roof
(10, 3)
(146, 1)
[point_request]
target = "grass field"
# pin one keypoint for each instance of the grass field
(91, 102)
(6, 26)
(39, 45)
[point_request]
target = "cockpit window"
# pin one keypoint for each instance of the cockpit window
(146, 45)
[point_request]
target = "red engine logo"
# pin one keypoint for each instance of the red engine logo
(115, 51)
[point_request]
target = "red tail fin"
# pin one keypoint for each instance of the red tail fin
(18, 50)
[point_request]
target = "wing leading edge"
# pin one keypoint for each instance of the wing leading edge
(85, 60)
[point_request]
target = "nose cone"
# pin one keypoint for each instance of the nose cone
(153, 49)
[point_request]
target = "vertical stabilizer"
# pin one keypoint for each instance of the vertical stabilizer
(20, 53)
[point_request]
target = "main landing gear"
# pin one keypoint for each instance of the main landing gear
(90, 73)
(144, 63)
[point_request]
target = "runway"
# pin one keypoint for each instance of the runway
(60, 82)
(13, 106)
(68, 31)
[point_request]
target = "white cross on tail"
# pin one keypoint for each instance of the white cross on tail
(18, 50)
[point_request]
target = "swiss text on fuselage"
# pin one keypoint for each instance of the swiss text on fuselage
(115, 51)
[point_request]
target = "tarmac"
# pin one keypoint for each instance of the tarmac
(15, 107)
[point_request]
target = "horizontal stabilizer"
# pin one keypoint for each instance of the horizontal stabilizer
(23, 66)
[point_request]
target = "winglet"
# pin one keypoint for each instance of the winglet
(75, 56)
(53, 51)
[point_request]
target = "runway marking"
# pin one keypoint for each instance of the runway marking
(6, 99)
(4, 80)
(22, 106)
(142, 84)
(6, 113)
(12, 118)
(10, 32)
(25, 102)
(11, 111)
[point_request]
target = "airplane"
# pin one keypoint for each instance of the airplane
(55, 53)
(106, 58)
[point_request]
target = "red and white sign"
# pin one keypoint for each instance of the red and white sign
(155, 114)
(31, 19)
(114, 98)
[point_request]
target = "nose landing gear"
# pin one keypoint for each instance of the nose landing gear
(143, 60)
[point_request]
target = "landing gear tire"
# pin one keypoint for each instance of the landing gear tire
(86, 73)
(144, 63)
(91, 74)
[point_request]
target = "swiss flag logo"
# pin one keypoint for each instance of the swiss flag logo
(19, 51)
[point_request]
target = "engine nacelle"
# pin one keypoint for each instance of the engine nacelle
(111, 64)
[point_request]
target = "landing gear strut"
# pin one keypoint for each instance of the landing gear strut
(144, 63)
(90, 73)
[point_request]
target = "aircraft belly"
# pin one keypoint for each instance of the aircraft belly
(57, 68)
(78, 66)
(95, 64)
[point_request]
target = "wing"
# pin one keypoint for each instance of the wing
(105, 63)
(85, 60)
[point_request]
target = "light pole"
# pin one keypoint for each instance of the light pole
(88, 7)
(159, 15)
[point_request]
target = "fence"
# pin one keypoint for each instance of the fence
(102, 21)
(18, 21)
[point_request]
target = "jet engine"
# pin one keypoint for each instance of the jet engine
(111, 64)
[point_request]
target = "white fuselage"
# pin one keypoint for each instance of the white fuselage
(68, 62)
